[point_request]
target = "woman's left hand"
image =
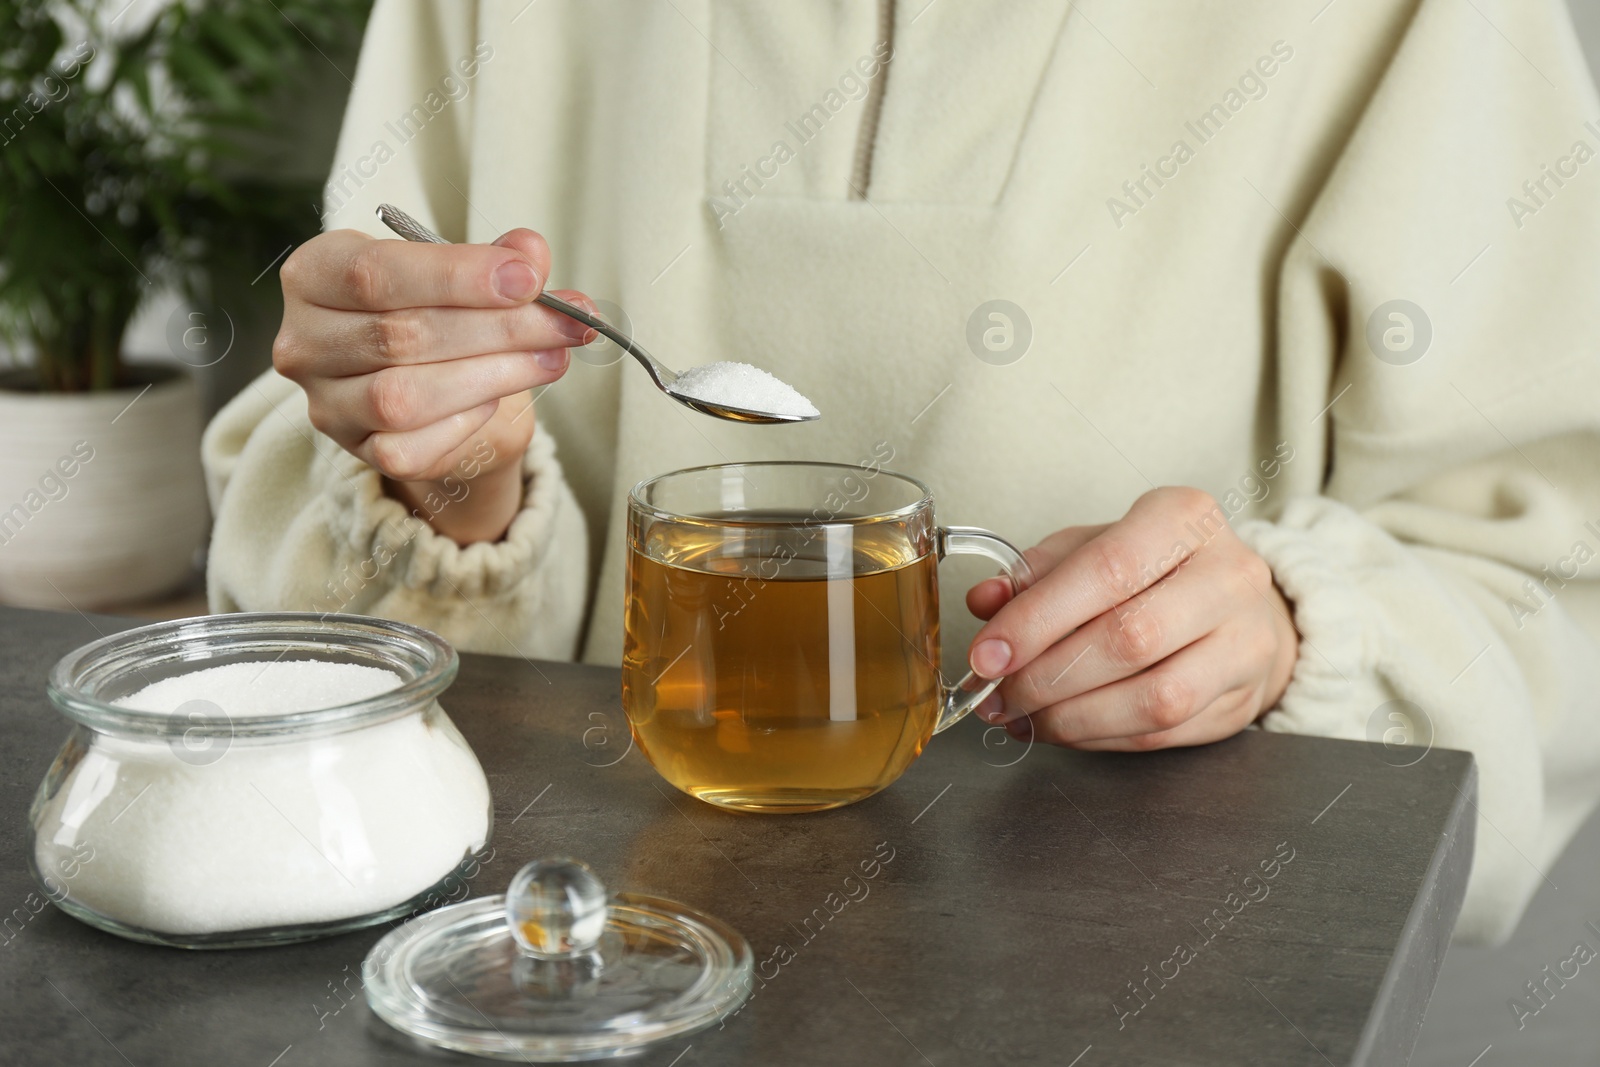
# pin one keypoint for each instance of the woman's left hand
(1160, 629)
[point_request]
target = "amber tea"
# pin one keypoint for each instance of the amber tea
(781, 630)
(779, 666)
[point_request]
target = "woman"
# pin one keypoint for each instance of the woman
(1303, 293)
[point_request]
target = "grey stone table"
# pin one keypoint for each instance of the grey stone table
(1267, 900)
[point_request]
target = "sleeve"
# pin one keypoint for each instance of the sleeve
(302, 525)
(1446, 558)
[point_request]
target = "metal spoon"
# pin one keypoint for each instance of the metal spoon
(664, 377)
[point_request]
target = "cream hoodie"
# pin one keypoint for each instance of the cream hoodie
(1203, 215)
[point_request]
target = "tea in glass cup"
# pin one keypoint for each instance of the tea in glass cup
(781, 649)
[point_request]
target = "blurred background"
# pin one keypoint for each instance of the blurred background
(158, 161)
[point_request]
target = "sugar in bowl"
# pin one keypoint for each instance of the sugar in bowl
(256, 779)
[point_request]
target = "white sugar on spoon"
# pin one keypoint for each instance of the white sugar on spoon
(739, 386)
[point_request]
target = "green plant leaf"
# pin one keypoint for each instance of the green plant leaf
(202, 80)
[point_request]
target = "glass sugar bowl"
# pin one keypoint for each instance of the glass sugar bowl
(256, 779)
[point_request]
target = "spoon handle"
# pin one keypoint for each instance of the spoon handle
(572, 311)
(408, 227)
(412, 230)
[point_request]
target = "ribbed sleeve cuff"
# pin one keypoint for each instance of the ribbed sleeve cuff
(379, 528)
(1337, 677)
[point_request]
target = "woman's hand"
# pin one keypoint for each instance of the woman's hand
(1161, 629)
(418, 357)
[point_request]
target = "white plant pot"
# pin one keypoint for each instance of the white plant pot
(102, 500)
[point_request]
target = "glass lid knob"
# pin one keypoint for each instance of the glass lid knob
(556, 908)
(558, 969)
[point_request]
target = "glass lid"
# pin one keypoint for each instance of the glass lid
(556, 970)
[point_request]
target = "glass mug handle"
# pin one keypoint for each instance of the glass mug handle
(973, 541)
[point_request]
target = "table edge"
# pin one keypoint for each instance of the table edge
(1391, 1031)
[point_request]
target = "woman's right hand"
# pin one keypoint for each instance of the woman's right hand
(414, 356)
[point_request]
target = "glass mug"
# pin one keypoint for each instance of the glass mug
(781, 633)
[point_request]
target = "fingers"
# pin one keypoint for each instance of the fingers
(1225, 717)
(343, 343)
(402, 399)
(1162, 629)
(406, 350)
(428, 453)
(991, 594)
(988, 597)
(348, 270)
(1158, 533)
(1178, 610)
(1160, 701)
